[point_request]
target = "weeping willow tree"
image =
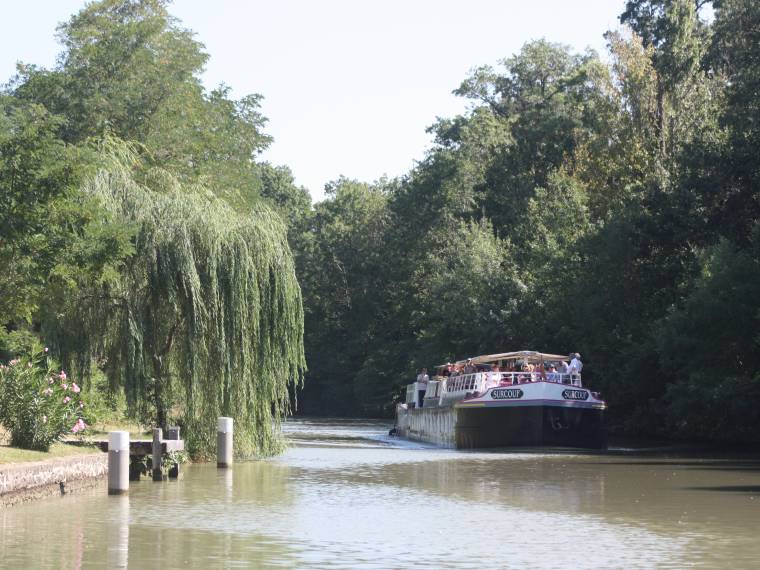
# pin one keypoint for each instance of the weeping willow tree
(205, 318)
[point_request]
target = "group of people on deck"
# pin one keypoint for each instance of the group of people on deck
(514, 372)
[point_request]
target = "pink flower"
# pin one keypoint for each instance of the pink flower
(79, 426)
(46, 349)
(62, 375)
(66, 400)
(65, 386)
(81, 404)
(74, 388)
(13, 362)
(51, 380)
(47, 391)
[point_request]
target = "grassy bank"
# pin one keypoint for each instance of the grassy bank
(99, 431)
(10, 454)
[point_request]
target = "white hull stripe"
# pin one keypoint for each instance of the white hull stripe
(529, 403)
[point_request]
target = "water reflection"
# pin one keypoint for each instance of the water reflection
(117, 534)
(347, 496)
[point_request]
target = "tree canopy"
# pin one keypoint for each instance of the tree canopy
(605, 207)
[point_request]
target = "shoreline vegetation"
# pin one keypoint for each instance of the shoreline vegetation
(608, 205)
(70, 445)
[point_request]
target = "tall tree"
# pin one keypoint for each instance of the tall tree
(732, 190)
(673, 30)
(204, 320)
(48, 231)
(130, 70)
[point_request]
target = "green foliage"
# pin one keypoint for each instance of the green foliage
(578, 205)
(468, 292)
(74, 248)
(279, 188)
(710, 347)
(16, 342)
(205, 317)
(733, 167)
(115, 50)
(544, 102)
(343, 277)
(37, 176)
(129, 70)
(174, 458)
(38, 404)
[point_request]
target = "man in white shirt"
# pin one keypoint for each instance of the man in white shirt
(575, 365)
(422, 380)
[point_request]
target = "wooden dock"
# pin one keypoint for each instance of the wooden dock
(142, 447)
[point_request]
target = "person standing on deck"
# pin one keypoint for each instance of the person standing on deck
(575, 366)
(422, 380)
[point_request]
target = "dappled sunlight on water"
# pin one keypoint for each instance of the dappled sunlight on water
(346, 495)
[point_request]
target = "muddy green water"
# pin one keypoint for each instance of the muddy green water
(347, 496)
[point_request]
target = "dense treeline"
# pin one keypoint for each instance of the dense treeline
(609, 207)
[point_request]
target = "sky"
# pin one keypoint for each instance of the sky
(349, 86)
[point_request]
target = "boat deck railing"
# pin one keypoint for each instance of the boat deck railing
(454, 386)
(442, 390)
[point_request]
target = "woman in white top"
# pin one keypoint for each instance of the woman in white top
(493, 377)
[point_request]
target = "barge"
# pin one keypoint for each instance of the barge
(523, 398)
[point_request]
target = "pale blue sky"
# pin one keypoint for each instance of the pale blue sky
(349, 85)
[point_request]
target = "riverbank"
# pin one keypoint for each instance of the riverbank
(61, 472)
(68, 466)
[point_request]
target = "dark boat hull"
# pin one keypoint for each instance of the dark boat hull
(534, 426)
(513, 424)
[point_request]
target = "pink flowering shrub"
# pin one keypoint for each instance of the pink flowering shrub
(37, 403)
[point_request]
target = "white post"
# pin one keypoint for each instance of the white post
(118, 463)
(224, 442)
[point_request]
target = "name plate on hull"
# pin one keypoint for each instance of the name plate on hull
(575, 394)
(506, 393)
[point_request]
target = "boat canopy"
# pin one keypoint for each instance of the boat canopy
(527, 355)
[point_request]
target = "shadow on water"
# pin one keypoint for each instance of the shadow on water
(719, 464)
(752, 489)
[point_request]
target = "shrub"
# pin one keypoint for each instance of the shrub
(39, 404)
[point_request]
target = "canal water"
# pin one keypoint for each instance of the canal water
(345, 495)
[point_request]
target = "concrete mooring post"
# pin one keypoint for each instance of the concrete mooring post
(224, 442)
(118, 463)
(157, 454)
(172, 434)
